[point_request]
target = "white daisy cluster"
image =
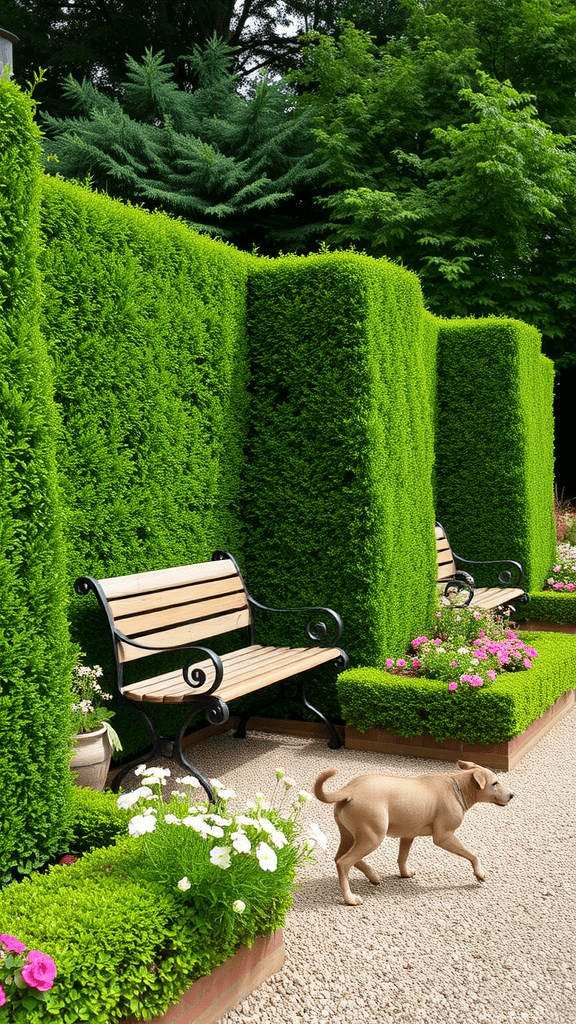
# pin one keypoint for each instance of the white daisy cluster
(254, 832)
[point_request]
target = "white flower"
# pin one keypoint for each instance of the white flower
(304, 797)
(171, 819)
(239, 906)
(219, 820)
(226, 794)
(126, 800)
(139, 769)
(178, 793)
(266, 825)
(318, 836)
(288, 782)
(278, 838)
(243, 819)
(162, 773)
(251, 805)
(240, 842)
(196, 821)
(140, 824)
(216, 784)
(184, 884)
(189, 780)
(216, 831)
(463, 650)
(220, 856)
(267, 859)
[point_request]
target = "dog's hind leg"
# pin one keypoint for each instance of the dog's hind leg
(403, 852)
(354, 858)
(346, 841)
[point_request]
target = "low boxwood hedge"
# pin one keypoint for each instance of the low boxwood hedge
(549, 606)
(406, 706)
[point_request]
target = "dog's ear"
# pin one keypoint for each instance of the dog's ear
(479, 777)
(465, 766)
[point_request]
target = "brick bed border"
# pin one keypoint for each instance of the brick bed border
(210, 997)
(505, 755)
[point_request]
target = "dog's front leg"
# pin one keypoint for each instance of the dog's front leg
(405, 845)
(448, 841)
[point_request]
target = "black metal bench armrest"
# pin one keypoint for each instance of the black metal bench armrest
(458, 585)
(194, 677)
(506, 578)
(316, 629)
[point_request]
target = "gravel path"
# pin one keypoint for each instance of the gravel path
(439, 947)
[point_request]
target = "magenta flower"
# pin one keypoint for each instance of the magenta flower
(437, 641)
(419, 640)
(570, 586)
(389, 663)
(12, 944)
(558, 586)
(557, 568)
(400, 663)
(527, 663)
(40, 971)
(2, 996)
(453, 686)
(492, 674)
(453, 664)
(415, 663)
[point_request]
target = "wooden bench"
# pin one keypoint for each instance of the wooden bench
(173, 609)
(456, 579)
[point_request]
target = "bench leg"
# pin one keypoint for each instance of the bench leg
(334, 742)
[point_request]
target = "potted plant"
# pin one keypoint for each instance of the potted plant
(93, 737)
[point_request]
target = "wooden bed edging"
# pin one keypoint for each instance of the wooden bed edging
(503, 755)
(210, 997)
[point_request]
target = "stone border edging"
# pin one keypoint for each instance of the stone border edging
(216, 993)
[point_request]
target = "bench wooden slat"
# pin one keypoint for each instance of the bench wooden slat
(244, 671)
(189, 634)
(174, 596)
(491, 597)
(163, 579)
(167, 618)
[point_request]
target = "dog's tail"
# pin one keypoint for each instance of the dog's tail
(329, 798)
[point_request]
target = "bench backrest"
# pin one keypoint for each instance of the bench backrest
(170, 607)
(446, 563)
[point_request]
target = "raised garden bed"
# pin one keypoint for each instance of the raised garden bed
(497, 724)
(210, 997)
(548, 606)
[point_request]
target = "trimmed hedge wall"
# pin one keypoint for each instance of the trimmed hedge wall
(411, 706)
(549, 606)
(494, 444)
(35, 651)
(145, 323)
(338, 500)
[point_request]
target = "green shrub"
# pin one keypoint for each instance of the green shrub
(35, 651)
(371, 697)
(337, 503)
(97, 819)
(494, 444)
(549, 606)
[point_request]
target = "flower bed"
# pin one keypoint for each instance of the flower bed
(412, 706)
(130, 927)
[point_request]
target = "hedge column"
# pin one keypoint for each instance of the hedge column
(35, 654)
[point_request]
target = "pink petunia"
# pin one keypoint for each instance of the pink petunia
(415, 663)
(558, 586)
(400, 663)
(527, 663)
(452, 686)
(492, 674)
(12, 944)
(389, 663)
(570, 586)
(453, 664)
(557, 568)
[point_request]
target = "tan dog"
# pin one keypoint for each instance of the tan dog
(373, 806)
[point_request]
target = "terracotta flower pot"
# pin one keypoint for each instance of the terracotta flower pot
(91, 758)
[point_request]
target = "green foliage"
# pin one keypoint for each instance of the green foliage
(337, 499)
(35, 653)
(371, 697)
(97, 819)
(240, 167)
(121, 946)
(550, 606)
(494, 462)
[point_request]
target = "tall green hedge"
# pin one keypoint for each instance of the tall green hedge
(338, 500)
(145, 324)
(494, 444)
(35, 654)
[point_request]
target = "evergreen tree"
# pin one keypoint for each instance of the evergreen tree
(240, 167)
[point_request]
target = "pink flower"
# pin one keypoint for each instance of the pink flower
(2, 996)
(452, 686)
(400, 663)
(40, 971)
(476, 681)
(68, 859)
(419, 640)
(437, 641)
(570, 586)
(12, 944)
(415, 663)
(527, 663)
(453, 664)
(492, 674)
(558, 586)
(389, 663)
(557, 568)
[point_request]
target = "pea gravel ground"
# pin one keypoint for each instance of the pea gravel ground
(439, 947)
